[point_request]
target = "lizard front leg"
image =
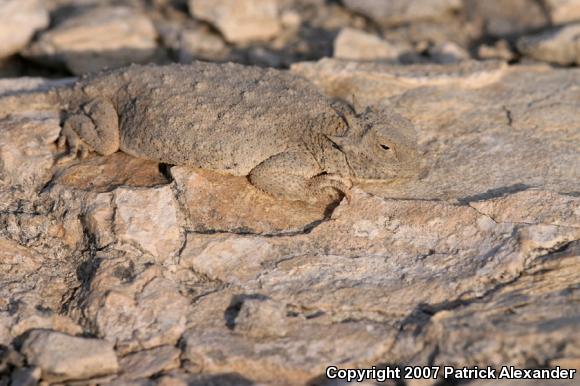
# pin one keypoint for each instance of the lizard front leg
(95, 126)
(295, 175)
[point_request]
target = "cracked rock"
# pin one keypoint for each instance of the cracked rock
(63, 357)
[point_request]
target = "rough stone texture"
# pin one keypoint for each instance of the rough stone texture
(98, 38)
(560, 45)
(358, 45)
(194, 280)
(62, 357)
(146, 363)
(563, 11)
(402, 11)
(19, 19)
(505, 18)
(240, 21)
(372, 82)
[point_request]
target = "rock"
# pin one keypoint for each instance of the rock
(26, 376)
(358, 45)
(146, 363)
(63, 357)
(104, 174)
(201, 44)
(134, 305)
(19, 20)
(389, 12)
(473, 262)
(563, 11)
(258, 317)
(26, 155)
(222, 203)
(501, 50)
(240, 21)
(142, 215)
(231, 260)
(371, 83)
(447, 52)
(506, 18)
(105, 37)
(560, 45)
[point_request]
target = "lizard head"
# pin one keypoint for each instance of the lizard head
(379, 144)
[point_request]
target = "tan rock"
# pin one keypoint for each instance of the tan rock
(505, 18)
(259, 317)
(240, 21)
(26, 149)
(143, 364)
(563, 11)
(105, 37)
(63, 357)
(215, 202)
(560, 45)
(103, 174)
(400, 11)
(358, 45)
(135, 306)
(228, 259)
(141, 216)
(19, 20)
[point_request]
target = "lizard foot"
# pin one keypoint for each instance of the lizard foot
(329, 187)
(71, 145)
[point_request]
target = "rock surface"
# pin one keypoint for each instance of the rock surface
(358, 45)
(563, 11)
(95, 39)
(241, 21)
(19, 20)
(62, 357)
(194, 278)
(119, 271)
(402, 11)
(560, 45)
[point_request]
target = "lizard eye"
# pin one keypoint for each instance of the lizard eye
(385, 147)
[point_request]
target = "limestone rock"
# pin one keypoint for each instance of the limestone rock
(98, 38)
(563, 11)
(141, 216)
(241, 21)
(26, 155)
(197, 279)
(201, 44)
(506, 18)
(370, 83)
(447, 52)
(402, 11)
(143, 364)
(19, 20)
(358, 45)
(258, 317)
(134, 305)
(63, 357)
(218, 203)
(560, 45)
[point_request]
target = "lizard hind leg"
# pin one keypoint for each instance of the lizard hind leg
(94, 126)
(297, 176)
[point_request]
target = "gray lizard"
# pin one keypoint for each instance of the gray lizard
(269, 125)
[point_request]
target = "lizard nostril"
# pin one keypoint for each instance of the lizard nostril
(385, 147)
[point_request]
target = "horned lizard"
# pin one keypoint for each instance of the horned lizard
(269, 125)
